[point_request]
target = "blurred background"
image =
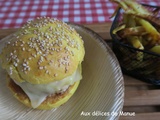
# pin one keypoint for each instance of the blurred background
(14, 13)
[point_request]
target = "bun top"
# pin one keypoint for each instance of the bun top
(43, 51)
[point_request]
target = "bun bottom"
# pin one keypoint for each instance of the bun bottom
(52, 101)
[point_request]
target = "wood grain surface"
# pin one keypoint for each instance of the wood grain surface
(140, 97)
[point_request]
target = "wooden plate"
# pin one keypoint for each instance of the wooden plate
(100, 94)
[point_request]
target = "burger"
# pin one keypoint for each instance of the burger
(43, 63)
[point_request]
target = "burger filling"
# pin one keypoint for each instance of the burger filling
(38, 93)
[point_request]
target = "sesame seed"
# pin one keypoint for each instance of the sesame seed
(11, 54)
(47, 72)
(24, 64)
(40, 67)
(44, 55)
(51, 53)
(67, 52)
(50, 28)
(55, 75)
(66, 69)
(65, 58)
(35, 56)
(36, 49)
(72, 53)
(10, 70)
(17, 60)
(25, 60)
(23, 49)
(63, 62)
(47, 36)
(68, 57)
(60, 64)
(29, 68)
(8, 59)
(29, 58)
(32, 54)
(15, 64)
(41, 58)
(51, 61)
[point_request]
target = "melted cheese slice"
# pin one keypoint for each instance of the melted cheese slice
(38, 93)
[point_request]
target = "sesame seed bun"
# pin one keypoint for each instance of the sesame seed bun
(43, 51)
(52, 101)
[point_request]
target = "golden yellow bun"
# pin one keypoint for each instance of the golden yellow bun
(43, 51)
(52, 101)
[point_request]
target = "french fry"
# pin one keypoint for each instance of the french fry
(121, 27)
(134, 40)
(150, 18)
(156, 49)
(132, 7)
(141, 29)
(121, 3)
(136, 6)
(132, 31)
(151, 30)
(147, 26)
